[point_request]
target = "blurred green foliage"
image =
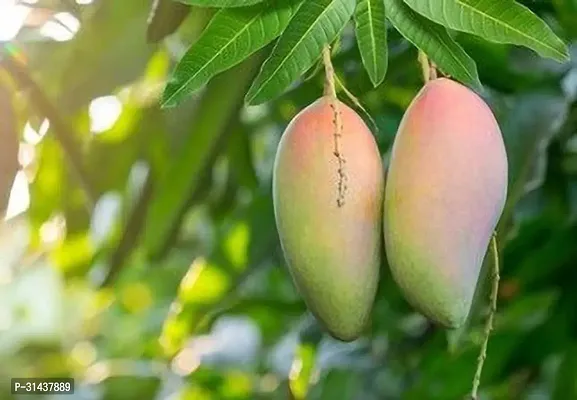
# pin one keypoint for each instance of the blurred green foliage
(147, 265)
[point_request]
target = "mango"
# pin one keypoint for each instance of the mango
(446, 189)
(328, 189)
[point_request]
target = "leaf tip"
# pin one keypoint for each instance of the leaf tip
(478, 86)
(565, 56)
(167, 101)
(253, 96)
(376, 79)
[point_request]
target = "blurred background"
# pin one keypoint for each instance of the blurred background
(139, 253)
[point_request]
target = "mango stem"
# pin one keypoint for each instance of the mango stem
(331, 93)
(428, 69)
(489, 325)
(355, 101)
(330, 89)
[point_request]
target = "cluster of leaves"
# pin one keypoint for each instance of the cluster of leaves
(160, 284)
(304, 27)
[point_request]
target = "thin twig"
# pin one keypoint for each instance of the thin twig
(489, 325)
(62, 131)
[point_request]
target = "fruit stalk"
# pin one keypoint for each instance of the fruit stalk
(331, 92)
(429, 69)
(489, 325)
(330, 89)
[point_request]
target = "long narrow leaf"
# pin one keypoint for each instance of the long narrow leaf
(501, 21)
(231, 36)
(435, 41)
(371, 34)
(316, 23)
(165, 18)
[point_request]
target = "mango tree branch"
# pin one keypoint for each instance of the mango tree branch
(62, 131)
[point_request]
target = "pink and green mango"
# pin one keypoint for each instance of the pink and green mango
(328, 211)
(446, 189)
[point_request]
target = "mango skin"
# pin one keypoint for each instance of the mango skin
(333, 252)
(446, 189)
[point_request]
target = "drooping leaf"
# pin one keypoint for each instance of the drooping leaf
(230, 37)
(316, 23)
(435, 41)
(371, 34)
(501, 21)
(221, 3)
(165, 17)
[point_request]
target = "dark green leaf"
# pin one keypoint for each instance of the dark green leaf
(371, 34)
(527, 130)
(566, 379)
(501, 21)
(316, 23)
(435, 41)
(165, 17)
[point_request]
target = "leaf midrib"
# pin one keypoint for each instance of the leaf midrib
(218, 53)
(292, 50)
(374, 43)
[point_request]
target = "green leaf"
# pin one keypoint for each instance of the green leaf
(566, 379)
(501, 21)
(316, 23)
(165, 18)
(230, 37)
(528, 129)
(435, 41)
(221, 3)
(371, 34)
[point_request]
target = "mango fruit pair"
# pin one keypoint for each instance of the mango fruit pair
(445, 191)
